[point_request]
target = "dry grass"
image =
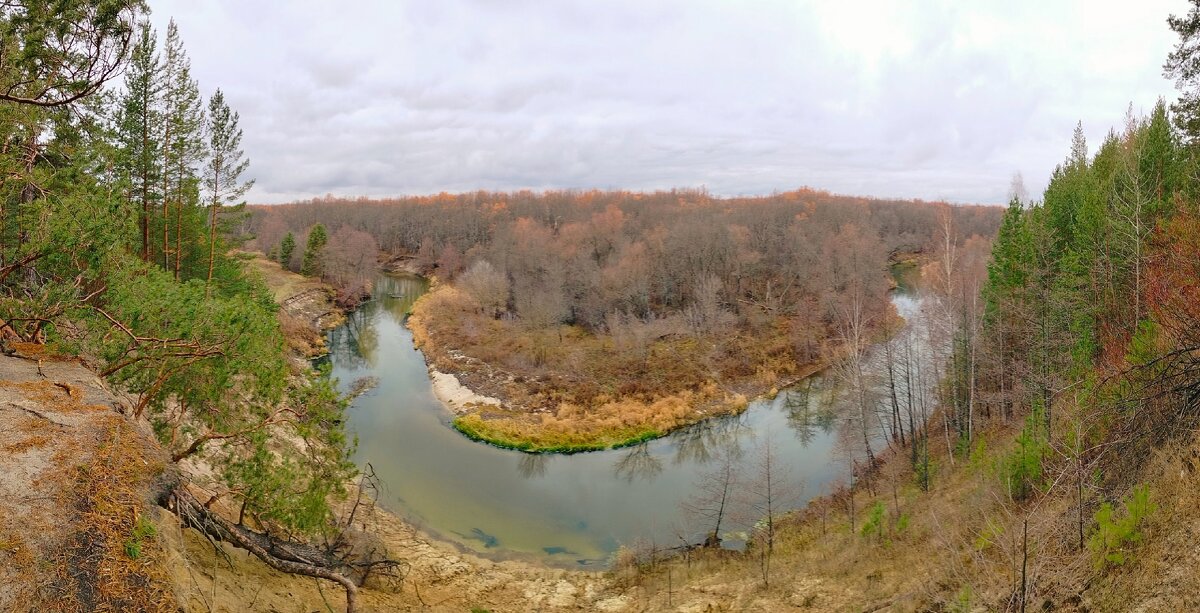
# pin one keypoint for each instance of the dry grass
(57, 396)
(38, 351)
(282, 282)
(112, 563)
(26, 444)
(615, 423)
(958, 547)
(302, 338)
(1162, 573)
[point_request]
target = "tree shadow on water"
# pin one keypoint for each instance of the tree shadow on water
(532, 465)
(638, 463)
(703, 442)
(808, 412)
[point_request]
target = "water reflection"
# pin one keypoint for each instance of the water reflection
(355, 344)
(397, 294)
(532, 465)
(807, 413)
(345, 344)
(562, 510)
(703, 442)
(637, 463)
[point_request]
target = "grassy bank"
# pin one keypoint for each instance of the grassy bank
(510, 435)
(573, 434)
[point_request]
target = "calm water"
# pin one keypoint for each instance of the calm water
(563, 510)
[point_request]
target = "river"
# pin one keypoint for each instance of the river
(562, 510)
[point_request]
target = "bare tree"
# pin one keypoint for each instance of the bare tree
(705, 314)
(770, 492)
(714, 498)
(850, 367)
(488, 286)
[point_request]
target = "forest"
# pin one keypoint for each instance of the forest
(609, 306)
(1058, 468)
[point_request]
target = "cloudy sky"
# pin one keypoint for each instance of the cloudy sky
(934, 100)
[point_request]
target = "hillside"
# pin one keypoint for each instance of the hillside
(306, 306)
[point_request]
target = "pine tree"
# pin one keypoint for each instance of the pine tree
(59, 54)
(139, 132)
(183, 125)
(1183, 65)
(286, 247)
(314, 264)
(223, 171)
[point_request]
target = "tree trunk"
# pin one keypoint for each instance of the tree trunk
(166, 213)
(212, 249)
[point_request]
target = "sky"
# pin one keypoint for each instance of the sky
(933, 100)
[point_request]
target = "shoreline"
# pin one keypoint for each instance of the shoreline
(465, 422)
(456, 397)
(471, 411)
(439, 564)
(612, 423)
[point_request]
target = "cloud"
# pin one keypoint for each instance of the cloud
(932, 99)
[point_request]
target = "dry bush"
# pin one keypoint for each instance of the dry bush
(301, 337)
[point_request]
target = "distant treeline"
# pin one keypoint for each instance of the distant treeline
(578, 257)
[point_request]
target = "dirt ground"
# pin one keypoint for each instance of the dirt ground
(74, 478)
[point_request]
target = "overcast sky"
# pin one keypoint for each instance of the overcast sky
(933, 100)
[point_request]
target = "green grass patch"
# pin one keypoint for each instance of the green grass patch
(141, 531)
(501, 433)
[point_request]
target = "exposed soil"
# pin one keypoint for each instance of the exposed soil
(75, 476)
(403, 263)
(457, 397)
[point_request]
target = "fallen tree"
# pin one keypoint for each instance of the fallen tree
(338, 561)
(293, 558)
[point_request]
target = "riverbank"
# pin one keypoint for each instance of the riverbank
(436, 573)
(307, 306)
(565, 390)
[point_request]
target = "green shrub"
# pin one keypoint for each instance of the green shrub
(962, 600)
(924, 469)
(1021, 468)
(874, 525)
(1110, 543)
(977, 461)
(987, 537)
